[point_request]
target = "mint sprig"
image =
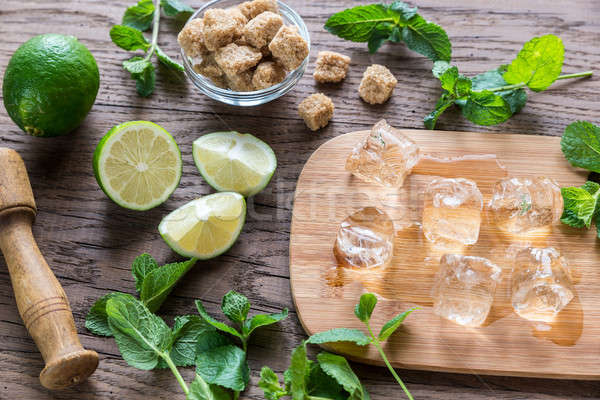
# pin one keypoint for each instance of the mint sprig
(494, 96)
(376, 24)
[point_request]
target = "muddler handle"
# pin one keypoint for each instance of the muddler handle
(41, 300)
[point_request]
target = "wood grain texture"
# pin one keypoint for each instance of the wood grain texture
(90, 243)
(325, 295)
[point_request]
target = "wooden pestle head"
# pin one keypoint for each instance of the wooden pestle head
(15, 189)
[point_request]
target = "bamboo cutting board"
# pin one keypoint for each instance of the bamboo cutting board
(507, 344)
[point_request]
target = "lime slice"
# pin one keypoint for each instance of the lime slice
(206, 227)
(235, 162)
(138, 165)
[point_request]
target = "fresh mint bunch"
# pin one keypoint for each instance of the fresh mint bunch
(129, 36)
(303, 380)
(494, 96)
(395, 22)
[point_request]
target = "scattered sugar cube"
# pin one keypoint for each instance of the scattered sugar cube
(251, 9)
(221, 27)
(464, 289)
(241, 82)
(261, 30)
(191, 38)
(316, 110)
(234, 59)
(267, 74)
(289, 48)
(331, 67)
(377, 84)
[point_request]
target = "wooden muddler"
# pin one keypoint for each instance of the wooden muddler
(41, 300)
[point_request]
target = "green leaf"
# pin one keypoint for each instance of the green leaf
(406, 11)
(427, 38)
(224, 366)
(176, 8)
(144, 263)
(321, 385)
(581, 145)
(365, 306)
(486, 108)
(358, 23)
(340, 335)
(263, 320)
(338, 368)
(380, 34)
(538, 64)
(144, 82)
(159, 282)
(515, 98)
(96, 320)
(390, 327)
(297, 372)
(235, 306)
(140, 15)
(136, 65)
(141, 336)
(128, 38)
(269, 383)
(443, 104)
(187, 331)
(448, 79)
(168, 61)
(200, 390)
(440, 67)
(217, 324)
(580, 204)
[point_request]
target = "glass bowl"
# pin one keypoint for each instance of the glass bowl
(254, 98)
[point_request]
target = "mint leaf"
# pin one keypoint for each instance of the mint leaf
(365, 306)
(580, 204)
(486, 108)
(358, 23)
(176, 8)
(390, 327)
(338, 368)
(224, 366)
(515, 98)
(96, 320)
(442, 105)
(200, 390)
(263, 320)
(217, 324)
(381, 34)
(235, 306)
(538, 64)
(427, 38)
(141, 336)
(448, 79)
(406, 11)
(128, 38)
(340, 335)
(440, 67)
(159, 282)
(140, 15)
(269, 383)
(581, 145)
(142, 71)
(321, 385)
(168, 61)
(297, 372)
(187, 331)
(142, 266)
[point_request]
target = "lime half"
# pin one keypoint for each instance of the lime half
(138, 165)
(235, 162)
(206, 227)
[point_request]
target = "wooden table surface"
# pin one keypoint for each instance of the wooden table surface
(90, 242)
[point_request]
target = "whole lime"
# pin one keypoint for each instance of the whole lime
(50, 85)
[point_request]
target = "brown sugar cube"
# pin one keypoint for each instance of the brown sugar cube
(237, 15)
(241, 82)
(316, 110)
(191, 38)
(221, 27)
(267, 74)
(331, 67)
(234, 59)
(259, 31)
(209, 67)
(377, 84)
(253, 8)
(288, 47)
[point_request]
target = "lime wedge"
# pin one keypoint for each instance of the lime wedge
(206, 227)
(138, 165)
(234, 162)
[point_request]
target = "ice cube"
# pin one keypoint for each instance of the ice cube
(541, 284)
(365, 240)
(452, 211)
(521, 205)
(464, 289)
(385, 157)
